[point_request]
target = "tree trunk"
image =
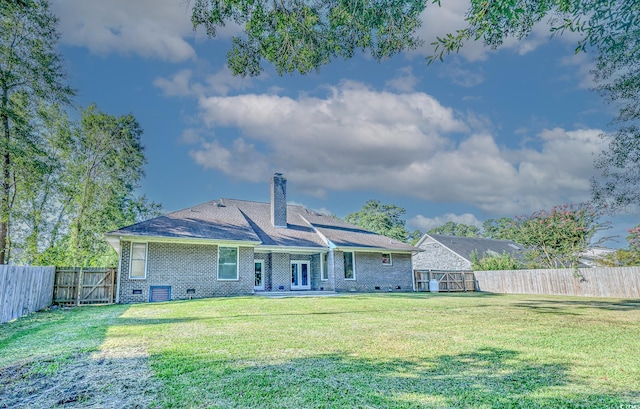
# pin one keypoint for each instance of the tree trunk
(5, 188)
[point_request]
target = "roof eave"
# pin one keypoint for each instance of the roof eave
(185, 240)
(375, 249)
(291, 249)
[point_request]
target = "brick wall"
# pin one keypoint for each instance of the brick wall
(280, 272)
(329, 285)
(182, 267)
(371, 273)
(194, 266)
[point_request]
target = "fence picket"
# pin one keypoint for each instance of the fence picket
(24, 290)
(619, 282)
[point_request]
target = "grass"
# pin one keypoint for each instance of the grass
(369, 351)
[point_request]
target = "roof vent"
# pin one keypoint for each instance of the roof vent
(514, 246)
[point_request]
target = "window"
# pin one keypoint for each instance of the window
(324, 275)
(227, 263)
(138, 267)
(386, 259)
(349, 273)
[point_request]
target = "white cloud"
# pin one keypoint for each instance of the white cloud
(424, 224)
(408, 144)
(460, 76)
(584, 64)
(150, 28)
(241, 160)
(184, 83)
(404, 81)
(179, 85)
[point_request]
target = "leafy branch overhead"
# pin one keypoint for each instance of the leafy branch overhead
(301, 35)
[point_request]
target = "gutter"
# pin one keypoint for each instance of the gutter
(185, 240)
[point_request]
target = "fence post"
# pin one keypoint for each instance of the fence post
(79, 287)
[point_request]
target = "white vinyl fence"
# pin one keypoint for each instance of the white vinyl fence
(617, 282)
(24, 290)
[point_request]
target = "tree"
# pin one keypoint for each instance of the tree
(103, 169)
(31, 74)
(300, 36)
(40, 213)
(381, 218)
(456, 229)
(414, 237)
(555, 239)
(502, 261)
(499, 229)
(611, 29)
(634, 238)
(629, 256)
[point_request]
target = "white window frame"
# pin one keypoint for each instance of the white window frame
(146, 256)
(237, 264)
(353, 261)
(390, 263)
(324, 267)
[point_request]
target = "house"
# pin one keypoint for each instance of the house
(233, 247)
(453, 253)
(594, 256)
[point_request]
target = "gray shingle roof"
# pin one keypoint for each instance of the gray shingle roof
(240, 220)
(464, 246)
(210, 220)
(344, 235)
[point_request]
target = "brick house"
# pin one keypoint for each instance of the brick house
(454, 253)
(233, 247)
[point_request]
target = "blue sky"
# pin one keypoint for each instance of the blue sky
(482, 135)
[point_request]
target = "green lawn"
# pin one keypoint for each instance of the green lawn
(367, 351)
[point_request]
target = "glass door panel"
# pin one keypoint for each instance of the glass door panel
(295, 275)
(259, 276)
(304, 272)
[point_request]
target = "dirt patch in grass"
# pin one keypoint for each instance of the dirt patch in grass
(114, 378)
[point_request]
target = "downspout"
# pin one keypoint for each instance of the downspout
(413, 273)
(119, 273)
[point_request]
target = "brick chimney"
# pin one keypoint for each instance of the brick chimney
(278, 200)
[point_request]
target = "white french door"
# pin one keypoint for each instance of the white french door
(300, 275)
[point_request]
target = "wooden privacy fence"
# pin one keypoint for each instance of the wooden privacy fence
(82, 286)
(447, 280)
(24, 290)
(618, 282)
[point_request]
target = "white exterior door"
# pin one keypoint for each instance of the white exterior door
(300, 275)
(259, 276)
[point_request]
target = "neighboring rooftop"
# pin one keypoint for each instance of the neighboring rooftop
(465, 246)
